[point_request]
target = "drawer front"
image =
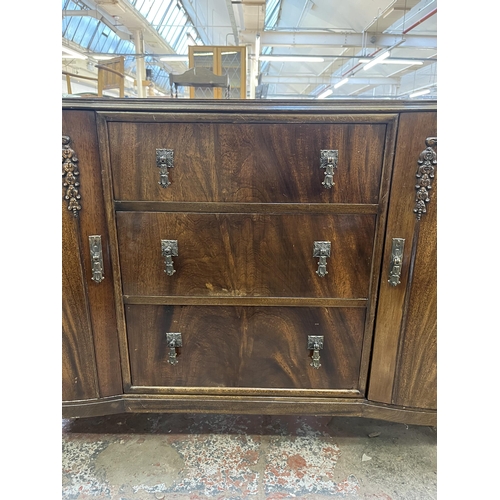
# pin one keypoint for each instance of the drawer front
(253, 347)
(245, 255)
(247, 163)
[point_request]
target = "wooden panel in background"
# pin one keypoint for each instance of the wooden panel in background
(245, 346)
(224, 255)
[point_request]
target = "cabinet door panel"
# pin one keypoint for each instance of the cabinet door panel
(78, 360)
(103, 347)
(231, 255)
(403, 369)
(255, 347)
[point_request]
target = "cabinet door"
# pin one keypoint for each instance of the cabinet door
(78, 362)
(404, 355)
(91, 361)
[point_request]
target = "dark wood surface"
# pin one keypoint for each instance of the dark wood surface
(406, 314)
(245, 346)
(79, 378)
(81, 127)
(416, 371)
(224, 255)
(250, 163)
(134, 403)
(273, 107)
(246, 195)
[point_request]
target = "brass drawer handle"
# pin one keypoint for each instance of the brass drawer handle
(169, 249)
(396, 264)
(328, 161)
(315, 343)
(174, 340)
(164, 161)
(96, 258)
(322, 249)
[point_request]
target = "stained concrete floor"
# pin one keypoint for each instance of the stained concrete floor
(193, 456)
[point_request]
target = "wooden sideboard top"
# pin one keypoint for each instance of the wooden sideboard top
(244, 105)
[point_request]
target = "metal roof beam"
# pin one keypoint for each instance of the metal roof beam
(323, 38)
(230, 12)
(326, 80)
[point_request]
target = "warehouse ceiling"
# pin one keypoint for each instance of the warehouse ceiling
(306, 49)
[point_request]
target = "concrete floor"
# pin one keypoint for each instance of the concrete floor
(190, 456)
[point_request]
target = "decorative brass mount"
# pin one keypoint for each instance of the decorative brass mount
(70, 174)
(427, 162)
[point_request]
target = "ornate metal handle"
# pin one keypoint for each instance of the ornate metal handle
(321, 249)
(169, 249)
(396, 264)
(96, 258)
(164, 161)
(328, 161)
(174, 340)
(315, 343)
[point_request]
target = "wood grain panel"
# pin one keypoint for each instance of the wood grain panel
(81, 127)
(252, 163)
(416, 372)
(78, 362)
(224, 255)
(245, 346)
(133, 147)
(394, 305)
(281, 163)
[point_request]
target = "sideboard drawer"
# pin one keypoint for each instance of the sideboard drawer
(245, 255)
(255, 347)
(248, 163)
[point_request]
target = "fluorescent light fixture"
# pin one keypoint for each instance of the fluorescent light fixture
(103, 58)
(129, 79)
(72, 54)
(342, 82)
(394, 61)
(377, 60)
(277, 58)
(175, 57)
(326, 93)
(420, 92)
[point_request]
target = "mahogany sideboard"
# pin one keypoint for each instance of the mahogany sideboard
(267, 257)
